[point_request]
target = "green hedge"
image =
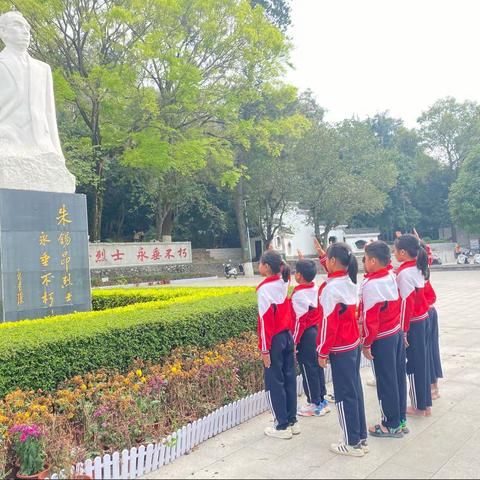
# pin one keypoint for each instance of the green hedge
(41, 353)
(120, 297)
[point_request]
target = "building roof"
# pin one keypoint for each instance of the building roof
(361, 231)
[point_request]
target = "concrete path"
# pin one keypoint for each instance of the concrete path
(446, 445)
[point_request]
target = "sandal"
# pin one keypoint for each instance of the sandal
(390, 433)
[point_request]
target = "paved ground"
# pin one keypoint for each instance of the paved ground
(445, 445)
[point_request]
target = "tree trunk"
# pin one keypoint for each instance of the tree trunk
(97, 215)
(240, 216)
(167, 227)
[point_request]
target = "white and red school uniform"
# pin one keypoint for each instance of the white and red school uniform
(339, 338)
(274, 337)
(338, 304)
(305, 309)
(380, 313)
(274, 310)
(413, 316)
(411, 285)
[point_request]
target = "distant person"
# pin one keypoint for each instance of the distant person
(339, 342)
(275, 341)
(458, 250)
(307, 319)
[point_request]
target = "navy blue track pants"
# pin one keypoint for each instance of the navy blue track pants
(417, 371)
(389, 368)
(313, 376)
(435, 363)
(347, 386)
(281, 381)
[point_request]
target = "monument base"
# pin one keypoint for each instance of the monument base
(44, 172)
(44, 264)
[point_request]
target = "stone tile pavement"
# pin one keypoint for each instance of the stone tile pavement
(446, 445)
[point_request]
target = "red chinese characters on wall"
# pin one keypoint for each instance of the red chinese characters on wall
(142, 255)
(118, 255)
(100, 256)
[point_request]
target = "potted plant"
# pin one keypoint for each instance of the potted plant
(29, 447)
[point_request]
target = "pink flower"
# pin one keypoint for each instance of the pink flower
(26, 431)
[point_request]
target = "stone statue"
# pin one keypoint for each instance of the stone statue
(31, 157)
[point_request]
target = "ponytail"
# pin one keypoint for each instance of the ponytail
(343, 253)
(285, 271)
(277, 265)
(413, 247)
(353, 268)
(422, 263)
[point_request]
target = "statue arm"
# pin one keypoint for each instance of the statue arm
(7, 89)
(51, 113)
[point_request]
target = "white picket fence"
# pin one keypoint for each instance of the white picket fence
(139, 461)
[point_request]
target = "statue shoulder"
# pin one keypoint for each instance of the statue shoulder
(40, 64)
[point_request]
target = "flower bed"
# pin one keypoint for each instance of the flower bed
(41, 353)
(107, 411)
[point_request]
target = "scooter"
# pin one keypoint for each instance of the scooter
(463, 259)
(229, 270)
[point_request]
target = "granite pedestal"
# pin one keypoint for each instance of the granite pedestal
(44, 266)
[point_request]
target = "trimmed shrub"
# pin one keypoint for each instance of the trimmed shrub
(41, 353)
(120, 297)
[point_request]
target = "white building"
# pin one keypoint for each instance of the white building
(297, 234)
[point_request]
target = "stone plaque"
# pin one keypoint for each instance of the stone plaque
(44, 264)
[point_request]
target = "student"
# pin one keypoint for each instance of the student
(276, 344)
(411, 277)
(307, 317)
(339, 341)
(383, 339)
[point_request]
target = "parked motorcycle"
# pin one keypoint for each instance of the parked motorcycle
(230, 271)
(476, 259)
(436, 260)
(464, 257)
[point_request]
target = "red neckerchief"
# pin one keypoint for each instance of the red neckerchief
(303, 286)
(338, 274)
(390, 266)
(383, 272)
(273, 278)
(405, 265)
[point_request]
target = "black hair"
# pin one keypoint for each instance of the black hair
(307, 269)
(343, 253)
(379, 250)
(274, 260)
(412, 246)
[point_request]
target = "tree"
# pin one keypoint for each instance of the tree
(278, 11)
(464, 199)
(201, 59)
(450, 130)
(343, 172)
(270, 164)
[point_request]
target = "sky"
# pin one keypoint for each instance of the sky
(361, 57)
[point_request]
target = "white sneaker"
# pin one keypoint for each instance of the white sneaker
(365, 446)
(282, 434)
(308, 410)
(343, 449)
(372, 382)
(295, 428)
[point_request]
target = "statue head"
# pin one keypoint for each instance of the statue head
(15, 31)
